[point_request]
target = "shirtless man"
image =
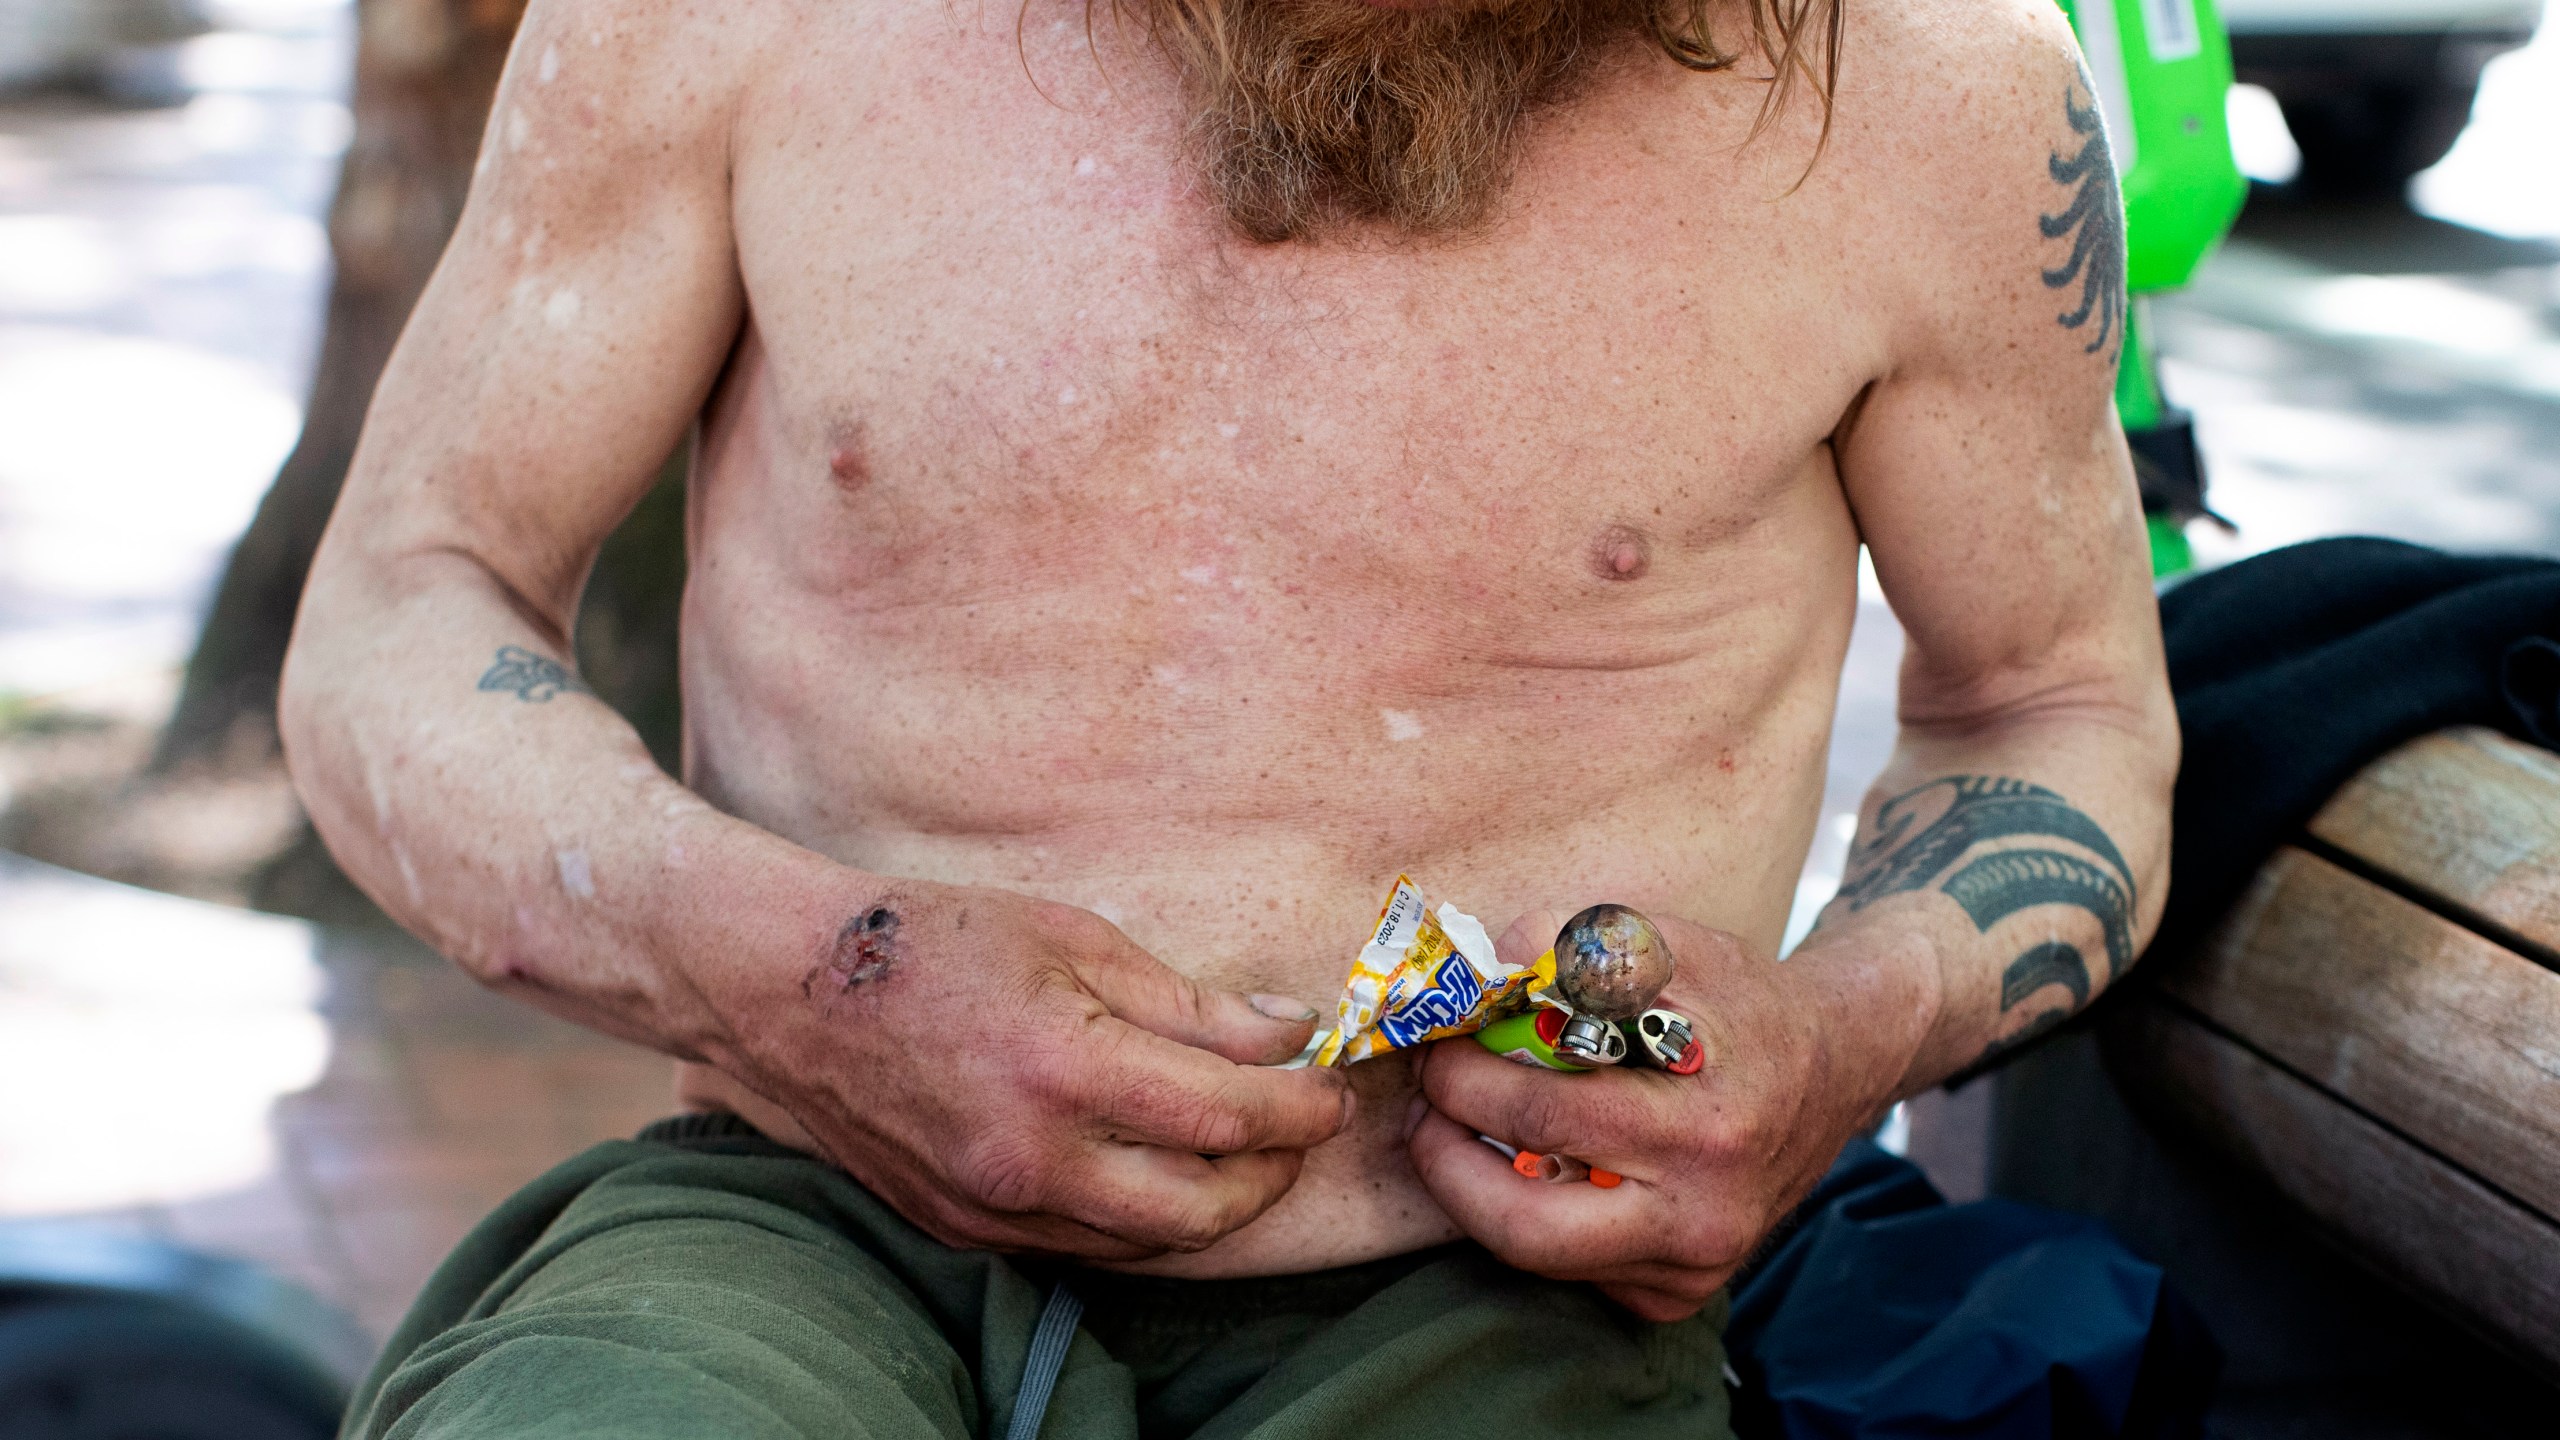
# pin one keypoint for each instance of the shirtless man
(1132, 520)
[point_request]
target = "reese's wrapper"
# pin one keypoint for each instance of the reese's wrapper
(1425, 975)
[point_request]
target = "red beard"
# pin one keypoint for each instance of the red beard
(1316, 114)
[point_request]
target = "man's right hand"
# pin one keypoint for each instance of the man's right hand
(1013, 1074)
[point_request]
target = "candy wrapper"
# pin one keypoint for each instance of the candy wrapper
(1425, 975)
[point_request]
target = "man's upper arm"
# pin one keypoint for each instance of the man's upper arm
(1986, 468)
(578, 318)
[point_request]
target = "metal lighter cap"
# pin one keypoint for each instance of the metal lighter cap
(1588, 1040)
(1666, 1038)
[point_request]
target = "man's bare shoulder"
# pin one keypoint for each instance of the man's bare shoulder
(639, 73)
(1934, 70)
(1951, 118)
(617, 116)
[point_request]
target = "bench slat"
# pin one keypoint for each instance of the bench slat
(2467, 816)
(2488, 1261)
(2427, 1026)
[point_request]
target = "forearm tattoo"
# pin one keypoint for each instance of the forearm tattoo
(1996, 847)
(2094, 222)
(529, 677)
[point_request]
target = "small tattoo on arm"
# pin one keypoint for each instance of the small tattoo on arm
(2094, 221)
(531, 678)
(1934, 836)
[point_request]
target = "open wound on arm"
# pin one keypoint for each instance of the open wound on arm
(1999, 847)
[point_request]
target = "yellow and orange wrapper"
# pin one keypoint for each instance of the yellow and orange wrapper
(1425, 974)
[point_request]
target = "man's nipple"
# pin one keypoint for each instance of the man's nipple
(1622, 552)
(851, 462)
(849, 468)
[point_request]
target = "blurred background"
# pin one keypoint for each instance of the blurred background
(215, 213)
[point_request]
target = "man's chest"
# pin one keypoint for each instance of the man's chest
(1000, 331)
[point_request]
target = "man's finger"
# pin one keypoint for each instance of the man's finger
(1041, 1235)
(1529, 937)
(1568, 1232)
(1155, 997)
(1689, 1282)
(959, 1221)
(1659, 1306)
(1143, 1087)
(1602, 1117)
(1174, 1200)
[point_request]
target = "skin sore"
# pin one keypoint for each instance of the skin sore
(863, 952)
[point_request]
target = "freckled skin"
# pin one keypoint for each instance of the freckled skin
(1524, 563)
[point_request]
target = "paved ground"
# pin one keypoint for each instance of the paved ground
(160, 288)
(337, 1106)
(160, 276)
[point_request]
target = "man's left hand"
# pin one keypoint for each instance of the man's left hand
(1712, 1161)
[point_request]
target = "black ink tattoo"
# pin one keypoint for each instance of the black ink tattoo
(2095, 222)
(1978, 808)
(2052, 963)
(1998, 886)
(1932, 836)
(532, 678)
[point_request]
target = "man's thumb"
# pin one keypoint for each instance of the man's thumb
(1529, 937)
(1248, 1029)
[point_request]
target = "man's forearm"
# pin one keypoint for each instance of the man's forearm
(489, 802)
(2002, 875)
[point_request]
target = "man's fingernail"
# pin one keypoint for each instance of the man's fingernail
(1281, 1007)
(1413, 1114)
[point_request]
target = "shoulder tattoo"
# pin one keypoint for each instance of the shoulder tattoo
(2093, 221)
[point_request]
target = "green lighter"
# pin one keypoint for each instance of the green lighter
(1530, 1039)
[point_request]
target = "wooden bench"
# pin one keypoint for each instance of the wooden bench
(2374, 1032)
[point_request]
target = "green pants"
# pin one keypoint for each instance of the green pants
(702, 1282)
